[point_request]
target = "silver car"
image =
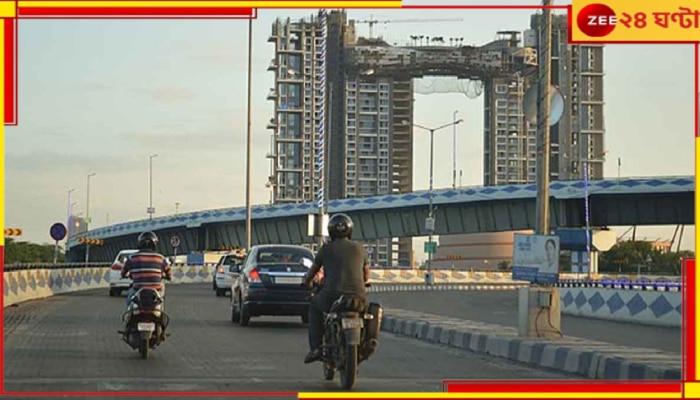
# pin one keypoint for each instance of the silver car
(226, 273)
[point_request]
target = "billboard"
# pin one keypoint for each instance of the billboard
(535, 258)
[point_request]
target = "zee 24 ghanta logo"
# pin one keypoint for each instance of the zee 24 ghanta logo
(598, 20)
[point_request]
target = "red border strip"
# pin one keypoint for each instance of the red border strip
(689, 345)
(697, 92)
(127, 12)
(484, 386)
(10, 26)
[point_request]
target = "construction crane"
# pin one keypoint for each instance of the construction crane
(372, 22)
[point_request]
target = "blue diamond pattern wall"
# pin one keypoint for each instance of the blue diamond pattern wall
(646, 307)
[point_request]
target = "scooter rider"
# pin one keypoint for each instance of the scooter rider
(345, 271)
(146, 267)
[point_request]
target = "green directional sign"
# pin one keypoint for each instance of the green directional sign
(430, 247)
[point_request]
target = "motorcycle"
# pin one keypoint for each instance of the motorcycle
(351, 336)
(145, 321)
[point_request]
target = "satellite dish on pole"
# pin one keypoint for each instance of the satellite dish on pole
(556, 101)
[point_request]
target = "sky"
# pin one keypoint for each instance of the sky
(103, 95)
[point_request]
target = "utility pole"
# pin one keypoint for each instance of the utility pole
(151, 210)
(249, 139)
(543, 114)
(454, 150)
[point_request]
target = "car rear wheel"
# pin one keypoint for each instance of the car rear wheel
(235, 313)
(220, 292)
(245, 313)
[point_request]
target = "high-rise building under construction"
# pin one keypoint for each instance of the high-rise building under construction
(367, 119)
(365, 88)
(510, 142)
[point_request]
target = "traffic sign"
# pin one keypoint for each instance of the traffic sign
(430, 247)
(13, 232)
(96, 242)
(175, 241)
(58, 231)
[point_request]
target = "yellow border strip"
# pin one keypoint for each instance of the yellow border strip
(492, 395)
(213, 4)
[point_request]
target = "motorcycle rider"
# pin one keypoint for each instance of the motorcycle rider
(146, 267)
(345, 269)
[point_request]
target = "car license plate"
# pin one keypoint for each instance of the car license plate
(350, 323)
(291, 281)
(146, 326)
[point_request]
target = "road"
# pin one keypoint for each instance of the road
(501, 307)
(70, 343)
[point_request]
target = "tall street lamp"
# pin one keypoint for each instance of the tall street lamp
(249, 139)
(150, 210)
(87, 204)
(87, 217)
(454, 149)
(70, 207)
(430, 221)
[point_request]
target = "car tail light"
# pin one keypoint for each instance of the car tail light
(221, 269)
(116, 267)
(254, 276)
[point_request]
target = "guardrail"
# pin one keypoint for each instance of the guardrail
(22, 283)
(35, 266)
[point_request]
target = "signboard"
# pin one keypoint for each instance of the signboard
(175, 241)
(58, 231)
(536, 258)
(430, 247)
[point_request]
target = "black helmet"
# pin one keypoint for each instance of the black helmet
(148, 240)
(340, 226)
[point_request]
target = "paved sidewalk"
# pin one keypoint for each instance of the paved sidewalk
(597, 360)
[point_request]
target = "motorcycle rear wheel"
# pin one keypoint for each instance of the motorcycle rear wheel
(349, 373)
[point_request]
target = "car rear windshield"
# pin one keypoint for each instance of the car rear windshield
(271, 255)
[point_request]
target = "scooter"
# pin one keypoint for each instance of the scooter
(145, 321)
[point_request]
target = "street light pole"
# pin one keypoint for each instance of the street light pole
(248, 211)
(430, 221)
(543, 120)
(151, 211)
(454, 150)
(70, 208)
(87, 205)
(87, 218)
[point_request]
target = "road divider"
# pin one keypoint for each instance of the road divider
(597, 360)
(659, 308)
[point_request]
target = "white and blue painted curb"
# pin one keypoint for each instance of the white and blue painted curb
(596, 360)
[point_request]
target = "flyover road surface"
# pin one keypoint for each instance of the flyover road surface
(501, 307)
(70, 343)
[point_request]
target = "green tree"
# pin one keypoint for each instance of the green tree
(504, 265)
(627, 257)
(26, 252)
